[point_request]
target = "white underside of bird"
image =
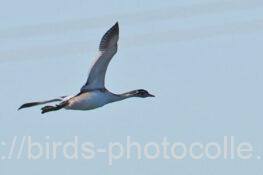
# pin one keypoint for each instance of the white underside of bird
(91, 100)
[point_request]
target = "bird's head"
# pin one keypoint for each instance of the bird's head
(142, 93)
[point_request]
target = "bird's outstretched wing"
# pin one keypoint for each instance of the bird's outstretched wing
(107, 49)
(31, 104)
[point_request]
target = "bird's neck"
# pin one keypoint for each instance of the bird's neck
(119, 97)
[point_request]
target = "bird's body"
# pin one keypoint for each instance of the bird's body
(94, 94)
(91, 100)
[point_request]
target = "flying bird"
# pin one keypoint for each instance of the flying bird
(93, 93)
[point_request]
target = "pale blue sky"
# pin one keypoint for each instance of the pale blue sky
(201, 58)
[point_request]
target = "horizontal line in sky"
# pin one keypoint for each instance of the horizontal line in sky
(137, 41)
(129, 18)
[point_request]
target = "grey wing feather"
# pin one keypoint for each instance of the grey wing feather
(107, 49)
(31, 104)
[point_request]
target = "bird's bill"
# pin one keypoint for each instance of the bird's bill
(150, 95)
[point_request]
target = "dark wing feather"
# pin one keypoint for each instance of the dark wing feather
(110, 38)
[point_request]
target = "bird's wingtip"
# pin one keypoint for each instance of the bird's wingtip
(116, 24)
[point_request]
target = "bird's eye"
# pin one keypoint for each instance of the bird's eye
(142, 93)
